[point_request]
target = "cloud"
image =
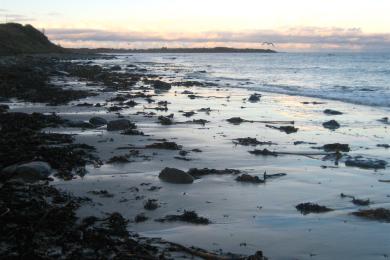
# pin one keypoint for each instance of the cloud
(11, 17)
(313, 38)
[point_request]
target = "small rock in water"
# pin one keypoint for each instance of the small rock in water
(332, 125)
(177, 176)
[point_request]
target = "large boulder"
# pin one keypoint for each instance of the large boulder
(177, 176)
(29, 172)
(120, 124)
(98, 121)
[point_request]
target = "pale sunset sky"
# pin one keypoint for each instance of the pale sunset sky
(293, 25)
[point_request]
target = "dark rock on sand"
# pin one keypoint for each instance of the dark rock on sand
(249, 178)
(336, 147)
(365, 163)
(264, 152)
(332, 112)
(30, 172)
(97, 121)
(332, 125)
(379, 214)
(187, 216)
(164, 145)
(120, 124)
(236, 120)
(307, 208)
(254, 98)
(177, 176)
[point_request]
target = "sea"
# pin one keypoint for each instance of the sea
(360, 78)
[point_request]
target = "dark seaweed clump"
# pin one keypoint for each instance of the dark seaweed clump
(21, 140)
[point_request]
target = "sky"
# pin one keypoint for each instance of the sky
(292, 25)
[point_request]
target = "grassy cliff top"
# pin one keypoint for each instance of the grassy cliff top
(18, 39)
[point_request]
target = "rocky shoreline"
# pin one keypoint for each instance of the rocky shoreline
(38, 220)
(42, 220)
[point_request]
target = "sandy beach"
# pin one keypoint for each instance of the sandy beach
(244, 216)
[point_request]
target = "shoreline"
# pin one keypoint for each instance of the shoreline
(233, 207)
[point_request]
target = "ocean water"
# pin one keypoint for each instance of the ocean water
(360, 78)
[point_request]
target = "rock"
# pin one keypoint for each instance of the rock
(366, 163)
(236, 120)
(177, 176)
(387, 146)
(79, 124)
(29, 172)
(98, 121)
(287, 129)
(336, 147)
(254, 98)
(120, 124)
(332, 125)
(332, 112)
(249, 178)
(307, 208)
